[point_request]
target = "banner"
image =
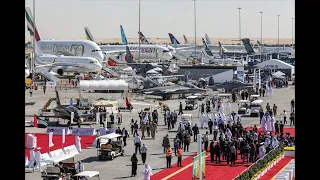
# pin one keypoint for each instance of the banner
(57, 130)
(83, 131)
(195, 168)
(203, 164)
(63, 135)
(50, 139)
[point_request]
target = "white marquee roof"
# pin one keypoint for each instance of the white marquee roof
(275, 64)
(103, 85)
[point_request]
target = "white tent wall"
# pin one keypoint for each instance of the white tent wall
(103, 85)
(278, 65)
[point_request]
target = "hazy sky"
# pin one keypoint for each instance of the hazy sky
(217, 18)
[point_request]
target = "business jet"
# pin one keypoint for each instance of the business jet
(147, 51)
(63, 47)
(62, 64)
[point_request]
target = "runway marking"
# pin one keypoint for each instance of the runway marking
(182, 169)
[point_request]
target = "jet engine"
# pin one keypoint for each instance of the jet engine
(60, 72)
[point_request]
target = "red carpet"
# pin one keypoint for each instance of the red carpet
(276, 169)
(285, 130)
(221, 171)
(43, 142)
(164, 173)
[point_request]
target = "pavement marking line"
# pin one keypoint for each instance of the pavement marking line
(182, 169)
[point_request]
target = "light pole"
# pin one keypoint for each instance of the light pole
(261, 28)
(139, 30)
(34, 41)
(239, 23)
(278, 30)
(195, 27)
(292, 30)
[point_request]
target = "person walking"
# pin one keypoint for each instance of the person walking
(212, 151)
(165, 142)
(30, 91)
(206, 141)
(292, 105)
(233, 154)
(144, 150)
(125, 135)
(134, 166)
(284, 116)
(168, 156)
(179, 156)
(153, 129)
(44, 89)
(210, 124)
(180, 109)
(186, 142)
(137, 143)
(291, 118)
(217, 152)
(195, 130)
(175, 145)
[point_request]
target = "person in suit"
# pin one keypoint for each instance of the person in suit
(125, 135)
(134, 166)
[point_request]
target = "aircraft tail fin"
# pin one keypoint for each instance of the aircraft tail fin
(174, 43)
(172, 38)
(142, 38)
(149, 83)
(221, 51)
(31, 25)
(37, 49)
(247, 45)
(262, 49)
(207, 39)
(123, 36)
(129, 57)
(88, 34)
(185, 39)
(206, 48)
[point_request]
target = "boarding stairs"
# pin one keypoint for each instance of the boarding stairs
(44, 72)
(111, 71)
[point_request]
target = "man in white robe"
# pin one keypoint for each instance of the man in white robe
(145, 119)
(79, 167)
(147, 172)
(216, 104)
(272, 124)
(214, 116)
(230, 119)
(202, 120)
(221, 108)
(274, 142)
(263, 123)
(206, 120)
(228, 134)
(267, 141)
(269, 126)
(262, 150)
(270, 91)
(37, 158)
(229, 108)
(78, 142)
(223, 116)
(32, 160)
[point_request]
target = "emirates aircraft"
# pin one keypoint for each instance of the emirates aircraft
(63, 47)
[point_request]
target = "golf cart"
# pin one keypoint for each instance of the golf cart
(52, 172)
(243, 106)
(254, 97)
(186, 119)
(110, 149)
(255, 107)
(88, 175)
(191, 103)
(200, 96)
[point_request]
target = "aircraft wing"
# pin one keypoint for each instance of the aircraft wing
(188, 47)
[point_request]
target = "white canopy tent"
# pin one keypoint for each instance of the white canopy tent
(103, 85)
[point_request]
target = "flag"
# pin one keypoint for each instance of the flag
(203, 162)
(195, 168)
(35, 121)
(63, 135)
(50, 139)
(127, 102)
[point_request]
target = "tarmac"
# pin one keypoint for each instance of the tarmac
(120, 167)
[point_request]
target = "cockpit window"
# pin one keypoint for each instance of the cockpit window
(95, 50)
(165, 51)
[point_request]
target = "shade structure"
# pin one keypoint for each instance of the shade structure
(103, 85)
